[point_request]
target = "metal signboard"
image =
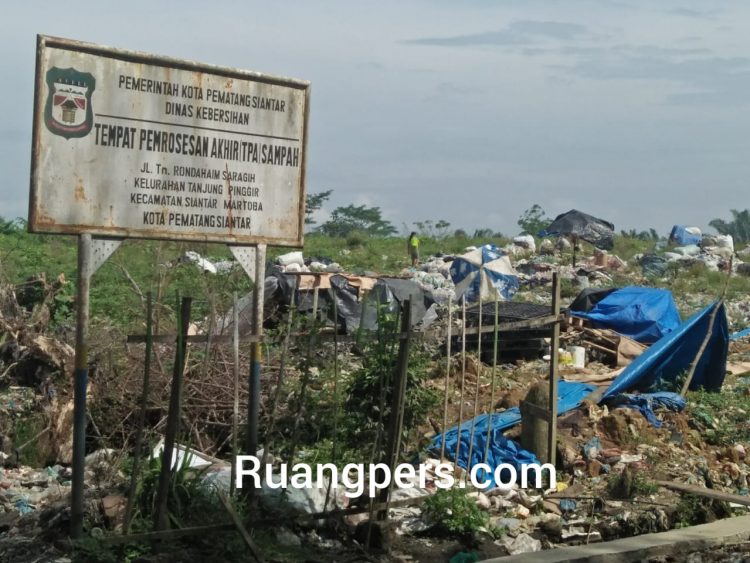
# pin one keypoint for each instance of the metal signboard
(132, 145)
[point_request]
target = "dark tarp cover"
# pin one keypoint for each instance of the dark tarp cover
(644, 314)
(654, 265)
(671, 356)
(598, 232)
(502, 450)
(589, 297)
(391, 292)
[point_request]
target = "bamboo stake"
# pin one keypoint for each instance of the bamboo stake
(492, 387)
(447, 377)
(476, 391)
(463, 376)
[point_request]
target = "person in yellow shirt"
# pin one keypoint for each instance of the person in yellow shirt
(412, 249)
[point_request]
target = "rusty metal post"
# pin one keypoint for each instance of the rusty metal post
(554, 345)
(255, 356)
(80, 384)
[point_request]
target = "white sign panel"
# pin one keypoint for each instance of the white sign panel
(131, 145)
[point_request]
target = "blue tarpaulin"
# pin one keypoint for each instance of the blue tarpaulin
(644, 314)
(740, 334)
(658, 366)
(671, 356)
(647, 403)
(502, 450)
(485, 272)
(682, 236)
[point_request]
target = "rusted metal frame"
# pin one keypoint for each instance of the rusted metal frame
(158, 60)
(51, 42)
(141, 422)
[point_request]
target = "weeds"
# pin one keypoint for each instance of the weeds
(722, 418)
(630, 483)
(456, 514)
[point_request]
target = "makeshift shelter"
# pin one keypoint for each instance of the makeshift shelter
(644, 314)
(654, 372)
(670, 357)
(486, 272)
(586, 227)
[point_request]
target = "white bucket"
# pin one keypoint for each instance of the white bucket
(579, 356)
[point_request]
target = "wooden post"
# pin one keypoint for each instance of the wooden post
(397, 402)
(236, 378)
(141, 415)
(173, 416)
(553, 360)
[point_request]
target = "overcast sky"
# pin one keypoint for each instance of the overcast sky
(471, 111)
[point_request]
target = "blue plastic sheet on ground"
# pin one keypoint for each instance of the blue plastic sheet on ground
(501, 450)
(647, 403)
(644, 314)
(740, 334)
(671, 356)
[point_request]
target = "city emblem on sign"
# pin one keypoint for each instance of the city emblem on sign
(68, 111)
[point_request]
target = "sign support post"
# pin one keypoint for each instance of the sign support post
(256, 355)
(92, 253)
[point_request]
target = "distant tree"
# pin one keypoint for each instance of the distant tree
(9, 226)
(483, 233)
(460, 233)
(534, 220)
(738, 227)
(345, 220)
(313, 203)
(651, 234)
(438, 229)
